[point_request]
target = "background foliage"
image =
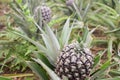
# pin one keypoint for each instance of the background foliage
(20, 49)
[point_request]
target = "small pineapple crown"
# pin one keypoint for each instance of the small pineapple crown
(77, 44)
(69, 2)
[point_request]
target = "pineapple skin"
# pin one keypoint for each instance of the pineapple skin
(46, 13)
(74, 63)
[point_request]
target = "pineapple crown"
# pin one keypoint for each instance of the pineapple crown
(85, 40)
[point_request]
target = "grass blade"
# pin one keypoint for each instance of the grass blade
(4, 78)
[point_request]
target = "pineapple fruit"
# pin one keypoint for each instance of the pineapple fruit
(74, 62)
(45, 13)
(69, 2)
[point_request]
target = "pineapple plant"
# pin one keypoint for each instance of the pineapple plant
(80, 8)
(72, 62)
(107, 17)
(78, 61)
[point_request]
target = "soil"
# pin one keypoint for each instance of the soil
(3, 10)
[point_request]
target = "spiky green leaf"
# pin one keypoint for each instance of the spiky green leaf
(38, 70)
(65, 33)
(49, 71)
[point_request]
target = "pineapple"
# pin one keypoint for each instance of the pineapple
(74, 62)
(69, 2)
(45, 13)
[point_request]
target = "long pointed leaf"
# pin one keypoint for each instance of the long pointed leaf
(50, 51)
(43, 58)
(53, 39)
(4, 78)
(116, 78)
(65, 33)
(51, 43)
(50, 72)
(39, 71)
(38, 45)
